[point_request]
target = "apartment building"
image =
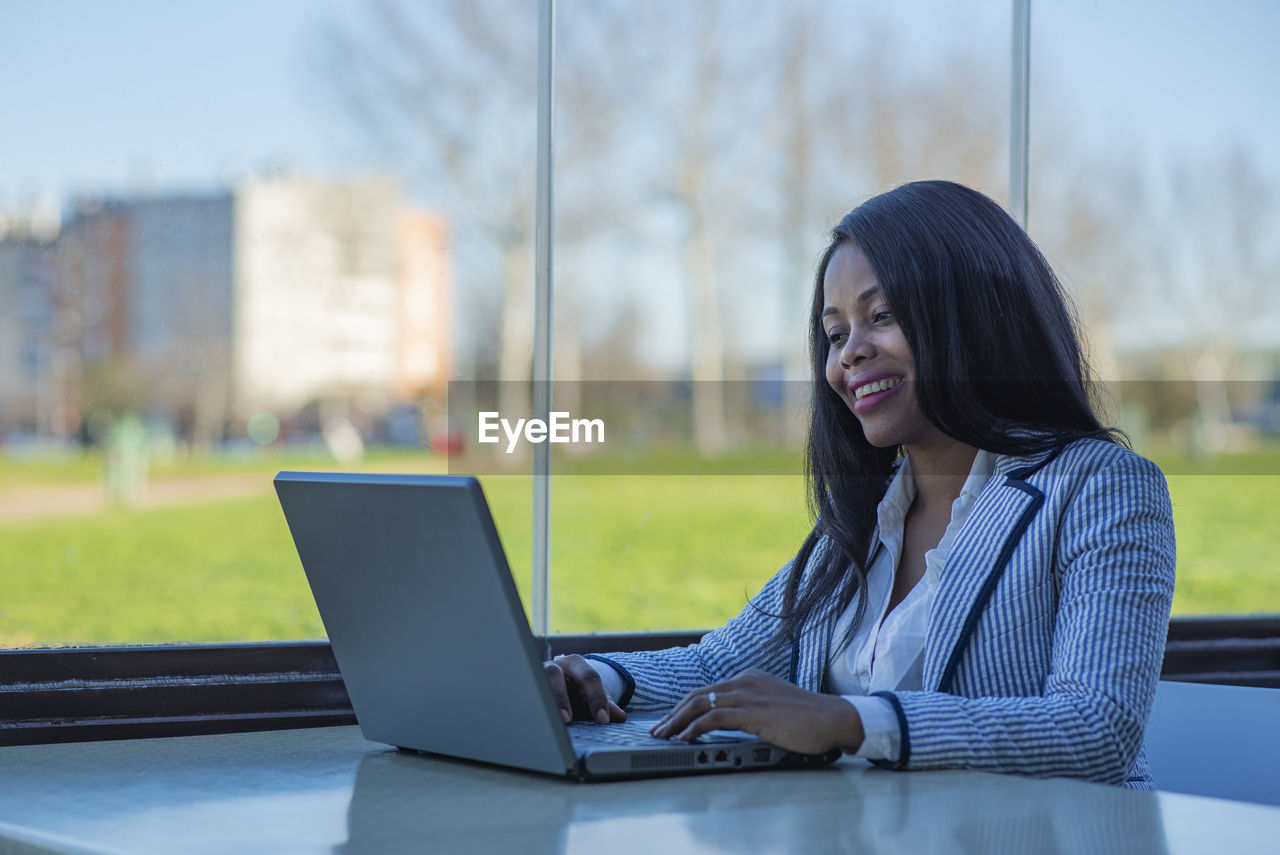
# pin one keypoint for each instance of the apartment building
(282, 293)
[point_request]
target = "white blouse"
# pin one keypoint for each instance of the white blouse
(887, 652)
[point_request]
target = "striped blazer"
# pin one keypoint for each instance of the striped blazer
(1045, 638)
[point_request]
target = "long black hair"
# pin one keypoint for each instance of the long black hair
(998, 366)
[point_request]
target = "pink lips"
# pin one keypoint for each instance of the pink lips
(870, 402)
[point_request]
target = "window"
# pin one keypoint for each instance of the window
(220, 258)
(1156, 193)
(215, 264)
(703, 153)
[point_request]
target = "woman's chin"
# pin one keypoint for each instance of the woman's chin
(881, 439)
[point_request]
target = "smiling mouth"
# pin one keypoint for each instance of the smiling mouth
(878, 386)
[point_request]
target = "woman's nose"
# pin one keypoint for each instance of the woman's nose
(855, 349)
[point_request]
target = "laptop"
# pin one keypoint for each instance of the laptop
(433, 644)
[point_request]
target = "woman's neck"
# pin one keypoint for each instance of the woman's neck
(940, 470)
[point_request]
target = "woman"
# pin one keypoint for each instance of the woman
(988, 581)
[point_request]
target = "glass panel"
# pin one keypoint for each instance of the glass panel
(704, 150)
(237, 238)
(1155, 190)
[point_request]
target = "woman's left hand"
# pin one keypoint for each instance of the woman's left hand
(769, 707)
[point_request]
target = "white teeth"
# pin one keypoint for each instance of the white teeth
(878, 386)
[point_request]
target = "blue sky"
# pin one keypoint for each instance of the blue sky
(1175, 76)
(177, 94)
(109, 99)
(172, 95)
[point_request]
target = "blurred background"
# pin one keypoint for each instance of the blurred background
(240, 237)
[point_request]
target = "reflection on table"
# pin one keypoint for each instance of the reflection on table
(402, 798)
(328, 790)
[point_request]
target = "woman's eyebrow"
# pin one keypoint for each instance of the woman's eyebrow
(862, 298)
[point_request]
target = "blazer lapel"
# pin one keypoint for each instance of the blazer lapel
(978, 557)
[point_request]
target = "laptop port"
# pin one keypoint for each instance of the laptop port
(760, 755)
(722, 756)
(737, 761)
(702, 758)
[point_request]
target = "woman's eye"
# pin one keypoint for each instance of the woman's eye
(881, 316)
(836, 336)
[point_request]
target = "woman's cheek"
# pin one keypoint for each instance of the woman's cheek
(835, 377)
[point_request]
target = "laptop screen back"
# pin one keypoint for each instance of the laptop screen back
(425, 623)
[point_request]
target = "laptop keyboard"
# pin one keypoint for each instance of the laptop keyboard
(631, 732)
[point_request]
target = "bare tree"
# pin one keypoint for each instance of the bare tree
(703, 71)
(448, 91)
(1168, 268)
(1212, 256)
(747, 124)
(850, 120)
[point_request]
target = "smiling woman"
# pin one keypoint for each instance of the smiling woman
(862, 331)
(988, 580)
(953, 297)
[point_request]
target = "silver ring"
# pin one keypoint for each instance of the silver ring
(712, 697)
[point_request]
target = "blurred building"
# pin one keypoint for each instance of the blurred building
(339, 292)
(28, 347)
(286, 293)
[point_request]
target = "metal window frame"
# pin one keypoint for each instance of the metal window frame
(540, 599)
(82, 694)
(78, 694)
(1020, 112)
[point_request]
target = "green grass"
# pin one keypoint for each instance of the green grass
(217, 572)
(74, 468)
(227, 571)
(667, 551)
(628, 553)
(1228, 543)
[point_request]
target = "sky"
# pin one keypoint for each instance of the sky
(1174, 77)
(111, 99)
(117, 95)
(109, 96)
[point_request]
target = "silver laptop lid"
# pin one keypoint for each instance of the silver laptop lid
(427, 628)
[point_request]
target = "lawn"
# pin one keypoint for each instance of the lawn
(629, 552)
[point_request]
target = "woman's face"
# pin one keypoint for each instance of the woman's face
(869, 364)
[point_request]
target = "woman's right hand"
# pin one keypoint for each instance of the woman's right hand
(579, 691)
